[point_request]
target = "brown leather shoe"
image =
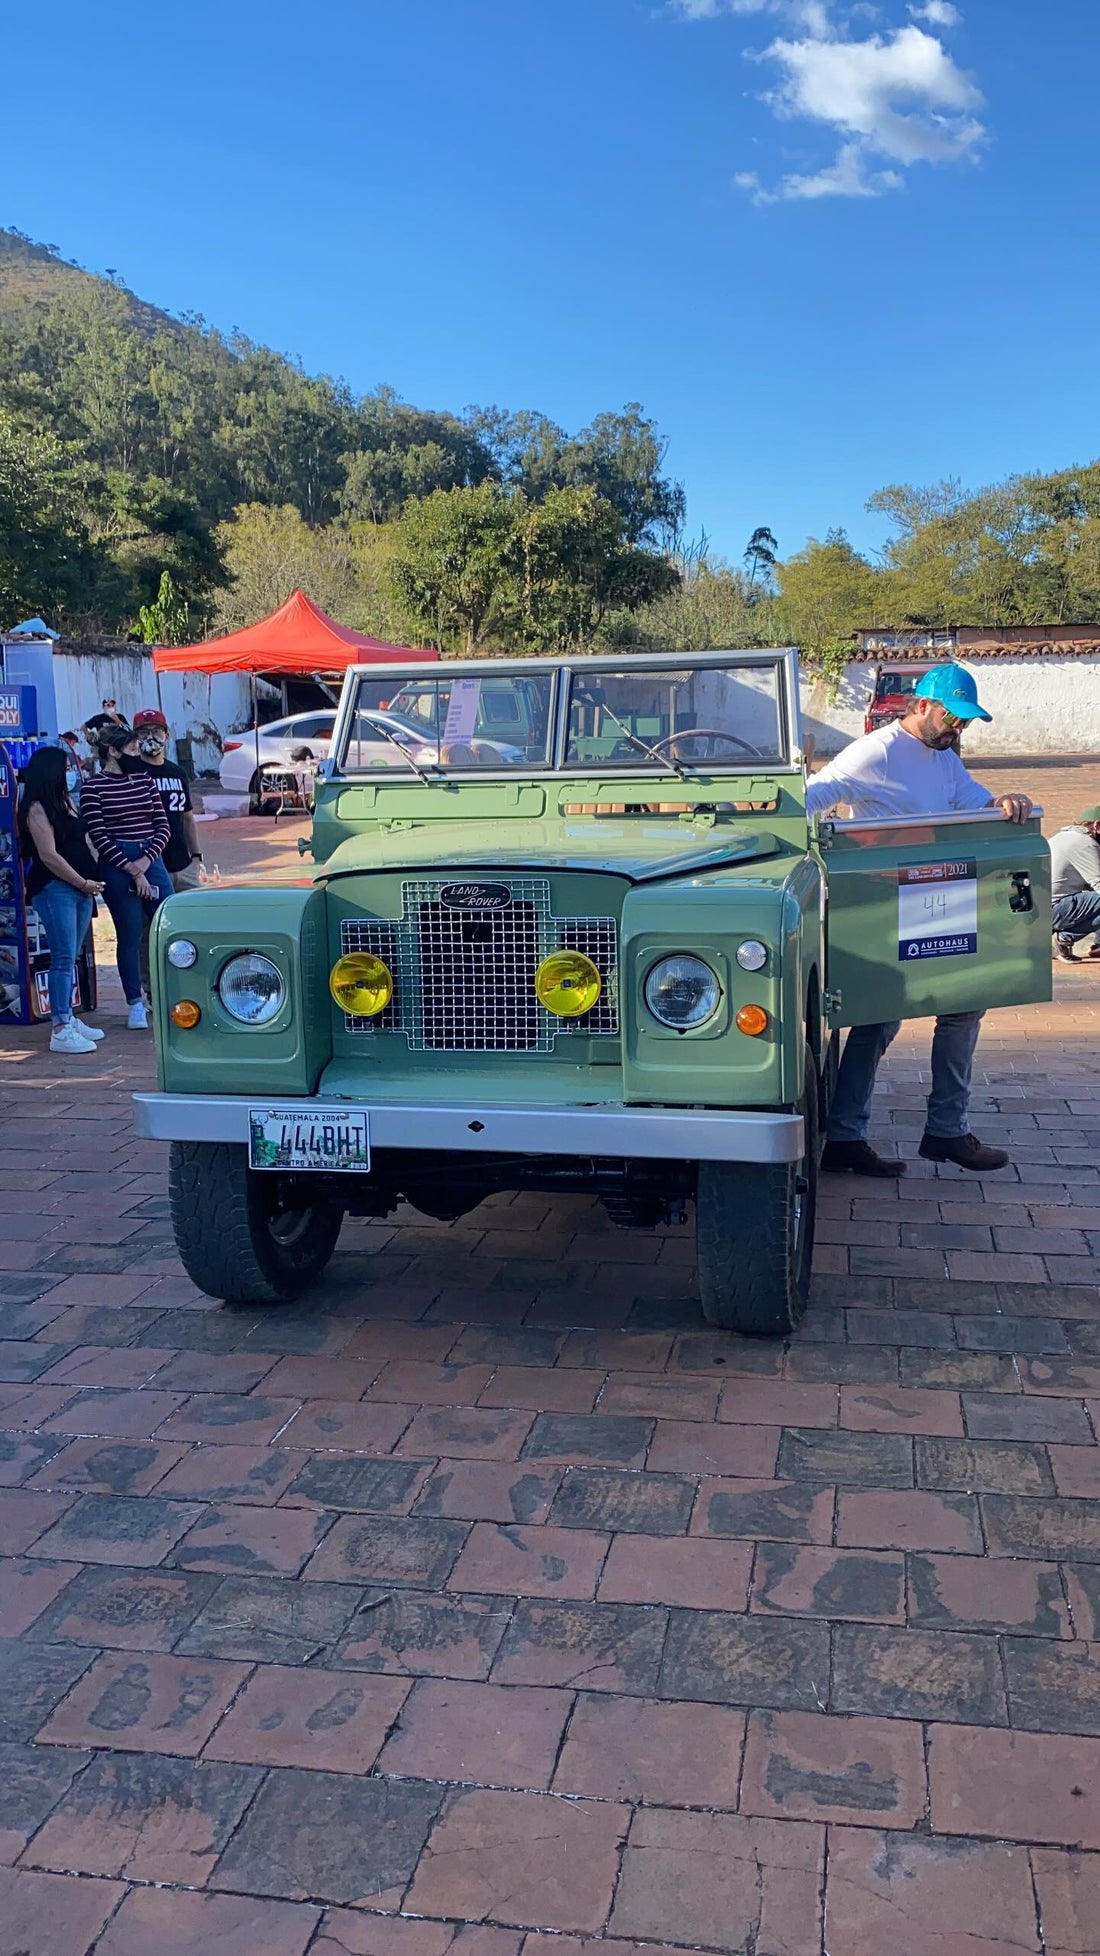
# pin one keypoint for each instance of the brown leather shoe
(858, 1158)
(965, 1150)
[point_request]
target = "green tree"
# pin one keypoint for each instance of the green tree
(44, 555)
(620, 456)
(402, 452)
(826, 592)
(761, 554)
(1022, 552)
(271, 552)
(167, 620)
(452, 572)
(575, 565)
(708, 609)
(284, 434)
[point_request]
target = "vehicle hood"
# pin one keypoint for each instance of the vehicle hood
(629, 846)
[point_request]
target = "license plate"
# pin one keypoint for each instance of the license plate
(332, 1139)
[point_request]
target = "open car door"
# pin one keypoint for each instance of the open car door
(940, 914)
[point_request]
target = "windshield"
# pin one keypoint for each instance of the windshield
(657, 719)
(680, 719)
(889, 685)
(486, 722)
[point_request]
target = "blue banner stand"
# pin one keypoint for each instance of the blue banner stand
(15, 963)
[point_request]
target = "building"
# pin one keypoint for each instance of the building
(1040, 682)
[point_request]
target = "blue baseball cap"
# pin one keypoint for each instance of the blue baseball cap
(953, 687)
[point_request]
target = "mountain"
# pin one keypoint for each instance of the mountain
(32, 275)
(134, 444)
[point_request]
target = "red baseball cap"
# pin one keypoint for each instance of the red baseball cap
(150, 716)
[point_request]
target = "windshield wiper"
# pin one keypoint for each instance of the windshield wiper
(663, 760)
(379, 726)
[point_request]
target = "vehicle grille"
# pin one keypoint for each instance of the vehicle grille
(464, 979)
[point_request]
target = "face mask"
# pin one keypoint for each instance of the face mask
(152, 747)
(72, 779)
(130, 764)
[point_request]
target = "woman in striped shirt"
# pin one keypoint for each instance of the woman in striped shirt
(128, 826)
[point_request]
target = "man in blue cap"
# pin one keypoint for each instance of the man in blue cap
(911, 767)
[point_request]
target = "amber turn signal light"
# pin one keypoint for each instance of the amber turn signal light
(752, 1019)
(186, 1014)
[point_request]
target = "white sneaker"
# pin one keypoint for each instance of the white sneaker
(94, 1033)
(69, 1039)
(137, 1019)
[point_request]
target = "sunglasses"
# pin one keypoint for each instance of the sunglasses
(952, 721)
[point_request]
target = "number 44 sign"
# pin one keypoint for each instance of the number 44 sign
(937, 910)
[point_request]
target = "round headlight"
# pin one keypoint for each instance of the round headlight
(361, 984)
(682, 992)
(251, 988)
(182, 953)
(568, 984)
(752, 955)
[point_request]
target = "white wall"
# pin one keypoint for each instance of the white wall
(1040, 705)
(196, 706)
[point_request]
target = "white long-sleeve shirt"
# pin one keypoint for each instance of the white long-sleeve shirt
(891, 772)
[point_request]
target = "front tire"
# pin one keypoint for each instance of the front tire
(754, 1228)
(237, 1237)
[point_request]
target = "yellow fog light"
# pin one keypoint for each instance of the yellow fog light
(186, 1014)
(361, 984)
(567, 984)
(752, 1019)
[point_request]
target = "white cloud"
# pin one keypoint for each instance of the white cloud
(846, 176)
(891, 97)
(900, 96)
(812, 15)
(938, 13)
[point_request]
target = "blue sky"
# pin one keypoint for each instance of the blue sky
(827, 246)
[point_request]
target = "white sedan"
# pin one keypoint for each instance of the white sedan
(308, 736)
(279, 741)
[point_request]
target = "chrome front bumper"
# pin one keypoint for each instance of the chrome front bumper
(648, 1133)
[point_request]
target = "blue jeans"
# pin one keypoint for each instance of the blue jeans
(64, 914)
(1077, 916)
(129, 912)
(953, 1045)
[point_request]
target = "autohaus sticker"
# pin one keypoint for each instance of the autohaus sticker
(937, 910)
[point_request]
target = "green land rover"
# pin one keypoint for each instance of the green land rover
(603, 951)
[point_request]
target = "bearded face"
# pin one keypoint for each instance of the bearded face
(933, 727)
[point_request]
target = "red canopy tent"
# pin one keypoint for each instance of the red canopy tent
(298, 638)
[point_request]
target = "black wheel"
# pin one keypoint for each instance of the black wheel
(255, 805)
(237, 1235)
(754, 1230)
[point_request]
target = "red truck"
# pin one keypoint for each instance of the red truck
(892, 686)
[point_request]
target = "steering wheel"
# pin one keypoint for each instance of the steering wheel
(711, 735)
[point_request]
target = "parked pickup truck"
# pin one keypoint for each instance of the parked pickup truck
(609, 955)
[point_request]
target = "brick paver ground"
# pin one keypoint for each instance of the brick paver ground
(486, 1601)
